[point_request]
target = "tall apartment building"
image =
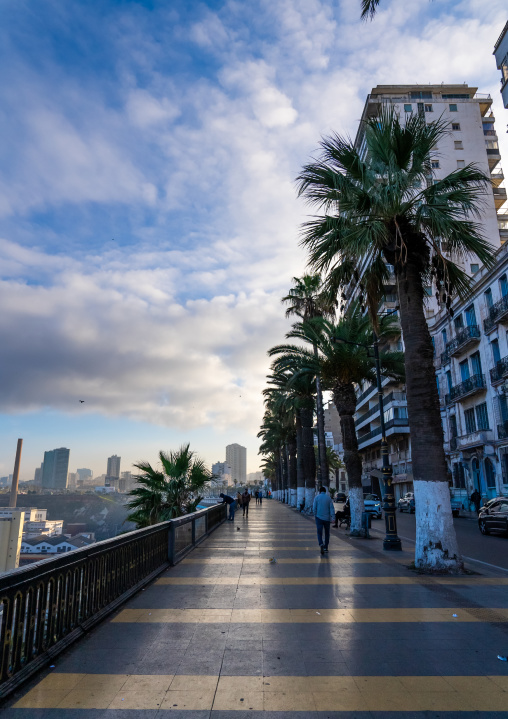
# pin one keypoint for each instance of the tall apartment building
(236, 457)
(84, 474)
(55, 469)
(472, 138)
(113, 471)
(501, 55)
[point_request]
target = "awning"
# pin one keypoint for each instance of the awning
(376, 473)
(401, 478)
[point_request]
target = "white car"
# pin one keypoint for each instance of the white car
(372, 505)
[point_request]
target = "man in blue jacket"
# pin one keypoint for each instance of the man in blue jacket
(324, 512)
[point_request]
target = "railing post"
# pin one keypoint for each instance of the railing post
(193, 532)
(171, 544)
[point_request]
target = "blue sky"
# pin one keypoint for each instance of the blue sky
(148, 217)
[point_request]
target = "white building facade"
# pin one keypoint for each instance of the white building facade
(236, 458)
(471, 138)
(501, 55)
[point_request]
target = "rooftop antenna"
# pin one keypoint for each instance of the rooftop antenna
(15, 477)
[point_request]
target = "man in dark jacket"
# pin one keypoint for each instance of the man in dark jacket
(226, 499)
(245, 502)
(476, 499)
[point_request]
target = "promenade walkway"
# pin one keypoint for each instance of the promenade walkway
(228, 634)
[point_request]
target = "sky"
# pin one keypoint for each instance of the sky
(149, 222)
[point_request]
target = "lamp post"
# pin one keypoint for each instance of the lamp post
(391, 540)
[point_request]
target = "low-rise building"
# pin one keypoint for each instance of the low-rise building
(53, 545)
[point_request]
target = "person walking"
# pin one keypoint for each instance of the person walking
(245, 502)
(476, 500)
(260, 497)
(226, 499)
(324, 512)
(256, 494)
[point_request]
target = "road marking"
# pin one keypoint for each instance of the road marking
(296, 694)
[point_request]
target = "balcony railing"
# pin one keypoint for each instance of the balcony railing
(390, 397)
(502, 429)
(474, 439)
(497, 313)
(475, 383)
(365, 394)
(464, 338)
(47, 605)
(397, 422)
(500, 371)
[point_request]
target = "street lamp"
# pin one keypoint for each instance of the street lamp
(391, 541)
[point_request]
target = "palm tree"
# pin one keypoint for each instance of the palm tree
(369, 8)
(169, 492)
(306, 300)
(384, 207)
(299, 396)
(343, 363)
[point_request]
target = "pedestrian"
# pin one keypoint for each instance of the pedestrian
(245, 502)
(257, 496)
(260, 497)
(226, 499)
(476, 500)
(324, 512)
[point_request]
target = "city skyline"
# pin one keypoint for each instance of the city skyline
(138, 318)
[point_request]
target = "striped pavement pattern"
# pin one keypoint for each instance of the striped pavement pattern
(227, 633)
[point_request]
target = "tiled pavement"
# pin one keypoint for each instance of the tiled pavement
(227, 633)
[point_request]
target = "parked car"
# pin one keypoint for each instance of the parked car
(407, 503)
(372, 505)
(494, 517)
(340, 497)
(457, 505)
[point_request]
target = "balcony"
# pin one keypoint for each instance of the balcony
(497, 313)
(402, 423)
(473, 385)
(502, 223)
(464, 339)
(499, 196)
(390, 397)
(502, 430)
(475, 439)
(493, 156)
(500, 371)
(497, 177)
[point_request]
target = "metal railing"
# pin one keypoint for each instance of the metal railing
(396, 422)
(46, 606)
(462, 339)
(498, 311)
(390, 397)
(500, 371)
(469, 386)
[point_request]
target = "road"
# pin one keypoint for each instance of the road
(491, 550)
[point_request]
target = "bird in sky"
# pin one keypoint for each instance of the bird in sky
(82, 401)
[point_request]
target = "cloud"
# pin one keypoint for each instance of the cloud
(182, 141)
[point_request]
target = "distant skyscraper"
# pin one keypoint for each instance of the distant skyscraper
(84, 474)
(55, 468)
(113, 471)
(236, 457)
(38, 475)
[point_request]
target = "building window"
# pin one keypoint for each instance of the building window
(464, 370)
(482, 417)
(445, 337)
(458, 144)
(476, 364)
(408, 108)
(460, 164)
(496, 353)
(428, 108)
(470, 420)
(428, 291)
(458, 322)
(455, 125)
(488, 298)
(453, 425)
(449, 380)
(470, 316)
(503, 285)
(435, 164)
(453, 108)
(474, 269)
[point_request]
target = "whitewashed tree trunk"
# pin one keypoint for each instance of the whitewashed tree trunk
(309, 499)
(292, 498)
(300, 496)
(357, 507)
(434, 519)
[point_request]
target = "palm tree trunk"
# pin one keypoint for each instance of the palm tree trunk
(309, 457)
(292, 472)
(320, 414)
(278, 474)
(300, 472)
(344, 398)
(436, 542)
(285, 474)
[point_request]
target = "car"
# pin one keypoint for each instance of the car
(494, 517)
(372, 505)
(407, 503)
(340, 497)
